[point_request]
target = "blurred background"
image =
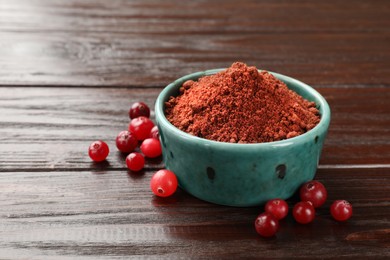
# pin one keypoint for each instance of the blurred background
(150, 43)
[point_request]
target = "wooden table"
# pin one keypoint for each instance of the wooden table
(69, 71)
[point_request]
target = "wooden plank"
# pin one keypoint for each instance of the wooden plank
(57, 204)
(86, 215)
(50, 129)
(360, 126)
(153, 16)
(149, 44)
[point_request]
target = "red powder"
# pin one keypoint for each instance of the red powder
(241, 105)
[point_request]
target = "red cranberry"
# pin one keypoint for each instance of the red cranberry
(139, 109)
(266, 225)
(141, 127)
(315, 192)
(98, 151)
(163, 183)
(126, 142)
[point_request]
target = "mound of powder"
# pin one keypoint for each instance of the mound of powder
(241, 105)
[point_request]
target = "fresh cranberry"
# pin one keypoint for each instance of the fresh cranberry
(98, 151)
(151, 147)
(163, 183)
(304, 212)
(126, 142)
(154, 132)
(266, 225)
(315, 192)
(277, 207)
(135, 161)
(139, 109)
(341, 210)
(140, 127)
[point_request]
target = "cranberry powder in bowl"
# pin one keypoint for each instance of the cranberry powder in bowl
(241, 105)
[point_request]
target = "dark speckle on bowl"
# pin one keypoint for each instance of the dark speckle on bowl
(281, 171)
(210, 173)
(161, 137)
(254, 166)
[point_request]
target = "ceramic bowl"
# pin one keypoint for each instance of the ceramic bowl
(241, 174)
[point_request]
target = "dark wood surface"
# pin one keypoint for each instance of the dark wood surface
(69, 71)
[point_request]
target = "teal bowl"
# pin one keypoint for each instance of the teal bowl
(241, 174)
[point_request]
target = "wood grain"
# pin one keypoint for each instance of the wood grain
(55, 202)
(69, 71)
(111, 215)
(51, 128)
(151, 43)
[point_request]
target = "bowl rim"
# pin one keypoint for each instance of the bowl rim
(162, 120)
